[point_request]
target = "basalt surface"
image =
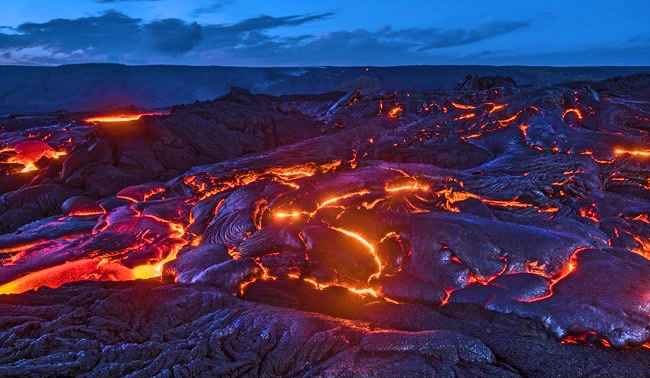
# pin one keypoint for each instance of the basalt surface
(487, 231)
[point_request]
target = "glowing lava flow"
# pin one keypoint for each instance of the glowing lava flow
(328, 202)
(644, 247)
(371, 248)
(497, 107)
(462, 106)
(408, 187)
(575, 111)
(207, 186)
(507, 121)
(118, 118)
(95, 269)
(177, 233)
(586, 338)
(639, 153)
(28, 152)
(569, 268)
(395, 112)
(452, 197)
(465, 116)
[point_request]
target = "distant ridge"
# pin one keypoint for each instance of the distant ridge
(89, 87)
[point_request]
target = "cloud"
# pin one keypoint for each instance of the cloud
(386, 46)
(173, 36)
(110, 32)
(441, 38)
(116, 37)
(625, 54)
(211, 8)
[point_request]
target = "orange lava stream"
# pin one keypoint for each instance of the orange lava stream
(524, 130)
(509, 120)
(407, 187)
(395, 112)
(368, 245)
(359, 291)
(465, 116)
(569, 268)
(210, 186)
(28, 152)
(497, 107)
(644, 247)
(462, 106)
(321, 205)
(590, 213)
(452, 197)
(119, 118)
(177, 233)
(584, 338)
(575, 111)
(86, 269)
(640, 153)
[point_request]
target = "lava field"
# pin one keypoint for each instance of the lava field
(490, 230)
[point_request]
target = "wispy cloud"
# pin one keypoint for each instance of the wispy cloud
(215, 7)
(116, 37)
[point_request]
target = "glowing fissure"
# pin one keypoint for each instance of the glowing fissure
(121, 117)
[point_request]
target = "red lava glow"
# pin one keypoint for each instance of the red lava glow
(639, 153)
(644, 247)
(27, 153)
(462, 106)
(85, 269)
(524, 130)
(590, 213)
(395, 112)
(586, 338)
(509, 120)
(368, 245)
(120, 118)
(574, 111)
(569, 268)
(497, 107)
(465, 116)
(406, 187)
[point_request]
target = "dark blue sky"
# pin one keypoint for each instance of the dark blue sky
(326, 32)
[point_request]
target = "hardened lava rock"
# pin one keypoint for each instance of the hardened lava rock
(487, 231)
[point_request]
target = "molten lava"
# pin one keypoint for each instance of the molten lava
(638, 153)
(121, 118)
(79, 270)
(465, 116)
(395, 112)
(421, 212)
(458, 105)
(28, 152)
(574, 111)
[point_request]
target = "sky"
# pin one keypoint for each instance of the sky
(326, 32)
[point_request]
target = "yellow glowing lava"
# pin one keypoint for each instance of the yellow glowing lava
(28, 152)
(325, 203)
(117, 118)
(634, 152)
(85, 269)
(406, 187)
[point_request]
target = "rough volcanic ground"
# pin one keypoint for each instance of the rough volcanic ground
(487, 231)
